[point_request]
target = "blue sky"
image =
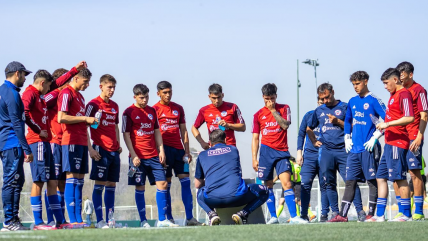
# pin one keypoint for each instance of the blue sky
(239, 44)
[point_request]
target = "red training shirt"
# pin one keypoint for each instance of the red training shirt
(170, 117)
(419, 98)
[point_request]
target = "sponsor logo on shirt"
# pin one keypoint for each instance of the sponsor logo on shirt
(269, 124)
(359, 114)
(264, 117)
(353, 107)
(219, 151)
(366, 106)
(110, 117)
(140, 132)
(174, 112)
(146, 125)
(356, 122)
(163, 115)
(165, 127)
(210, 115)
(325, 128)
(266, 131)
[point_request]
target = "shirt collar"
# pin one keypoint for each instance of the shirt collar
(9, 84)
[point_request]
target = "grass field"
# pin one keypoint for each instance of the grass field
(336, 231)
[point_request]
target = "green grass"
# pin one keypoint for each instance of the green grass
(336, 231)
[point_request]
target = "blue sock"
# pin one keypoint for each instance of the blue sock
(419, 204)
(78, 200)
(97, 199)
(109, 199)
(400, 208)
(55, 206)
(69, 197)
(161, 202)
(381, 205)
(62, 203)
(405, 203)
(291, 202)
(141, 204)
(36, 205)
(186, 196)
(168, 202)
(49, 212)
(271, 203)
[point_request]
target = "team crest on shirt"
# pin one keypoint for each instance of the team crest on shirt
(391, 101)
(113, 110)
(224, 113)
(338, 112)
(174, 112)
(260, 174)
(16, 176)
(77, 166)
(366, 106)
(100, 175)
(150, 116)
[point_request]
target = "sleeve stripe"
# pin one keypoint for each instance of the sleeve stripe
(406, 107)
(89, 110)
(382, 105)
(288, 114)
(424, 101)
(123, 123)
(48, 97)
(64, 102)
(238, 112)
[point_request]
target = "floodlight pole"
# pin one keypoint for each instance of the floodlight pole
(298, 98)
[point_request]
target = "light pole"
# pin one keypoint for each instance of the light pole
(314, 63)
(298, 99)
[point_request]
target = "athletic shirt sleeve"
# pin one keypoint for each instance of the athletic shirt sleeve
(65, 98)
(302, 132)
(117, 114)
(348, 119)
(199, 173)
(379, 107)
(126, 122)
(182, 119)
(313, 119)
(256, 124)
(287, 113)
(200, 119)
(237, 115)
(29, 98)
(422, 100)
(406, 104)
(50, 99)
(91, 109)
(155, 116)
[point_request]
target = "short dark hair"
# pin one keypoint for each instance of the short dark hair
(389, 73)
(107, 78)
(269, 89)
(406, 67)
(164, 85)
(58, 73)
(85, 73)
(359, 75)
(10, 74)
(215, 89)
(140, 89)
(323, 87)
(217, 136)
(41, 73)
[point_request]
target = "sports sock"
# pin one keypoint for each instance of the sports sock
(69, 197)
(412, 203)
(97, 199)
(405, 204)
(297, 209)
(55, 206)
(109, 199)
(290, 201)
(400, 208)
(348, 196)
(419, 204)
(279, 210)
(78, 200)
(141, 204)
(49, 212)
(61, 202)
(372, 196)
(186, 196)
(168, 202)
(36, 206)
(271, 203)
(381, 205)
(161, 202)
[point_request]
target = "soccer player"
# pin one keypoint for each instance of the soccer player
(105, 150)
(172, 124)
(310, 168)
(330, 117)
(272, 121)
(363, 147)
(13, 144)
(71, 116)
(416, 131)
(219, 115)
(140, 129)
(218, 177)
(393, 165)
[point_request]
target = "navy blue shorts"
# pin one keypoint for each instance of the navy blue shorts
(414, 162)
(75, 159)
(150, 168)
(270, 159)
(174, 160)
(361, 166)
(57, 159)
(393, 165)
(42, 167)
(107, 168)
(13, 167)
(331, 161)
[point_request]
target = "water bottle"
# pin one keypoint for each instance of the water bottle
(97, 119)
(376, 121)
(218, 119)
(111, 222)
(132, 171)
(186, 163)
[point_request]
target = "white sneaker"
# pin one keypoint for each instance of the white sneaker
(52, 223)
(172, 220)
(102, 224)
(376, 219)
(402, 218)
(145, 224)
(193, 222)
(298, 220)
(273, 221)
(166, 223)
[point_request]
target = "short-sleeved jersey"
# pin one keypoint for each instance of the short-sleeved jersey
(220, 166)
(399, 105)
(309, 147)
(170, 117)
(105, 134)
(72, 102)
(211, 115)
(273, 135)
(51, 100)
(358, 121)
(141, 123)
(331, 136)
(36, 115)
(420, 104)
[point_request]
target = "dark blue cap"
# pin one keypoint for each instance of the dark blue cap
(16, 66)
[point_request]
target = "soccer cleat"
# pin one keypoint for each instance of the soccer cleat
(43, 226)
(338, 219)
(52, 223)
(214, 218)
(64, 226)
(418, 217)
(172, 220)
(368, 217)
(239, 218)
(324, 218)
(19, 225)
(312, 219)
(13, 226)
(361, 216)
(145, 224)
(193, 222)
(102, 224)
(298, 220)
(165, 224)
(398, 215)
(273, 221)
(402, 218)
(376, 219)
